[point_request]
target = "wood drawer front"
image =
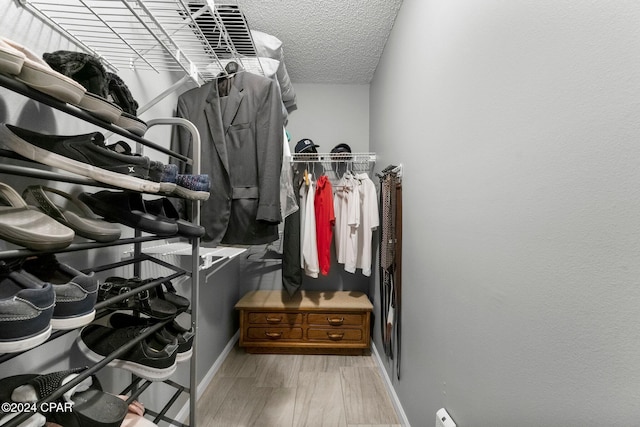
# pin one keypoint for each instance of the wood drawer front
(334, 335)
(273, 318)
(273, 334)
(336, 319)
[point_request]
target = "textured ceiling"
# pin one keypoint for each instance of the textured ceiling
(326, 41)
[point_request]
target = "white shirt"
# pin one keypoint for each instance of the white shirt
(340, 210)
(309, 253)
(363, 219)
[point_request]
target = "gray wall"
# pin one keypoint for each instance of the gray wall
(517, 123)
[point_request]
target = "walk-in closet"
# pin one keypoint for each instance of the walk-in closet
(283, 213)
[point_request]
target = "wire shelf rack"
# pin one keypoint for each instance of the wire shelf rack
(191, 36)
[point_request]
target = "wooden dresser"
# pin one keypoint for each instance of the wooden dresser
(310, 322)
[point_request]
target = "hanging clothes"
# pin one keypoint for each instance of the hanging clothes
(391, 265)
(241, 145)
(325, 220)
(346, 203)
(359, 247)
(308, 244)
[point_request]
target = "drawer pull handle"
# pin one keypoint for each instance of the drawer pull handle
(335, 321)
(273, 335)
(335, 336)
(274, 319)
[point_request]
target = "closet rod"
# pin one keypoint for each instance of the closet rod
(333, 157)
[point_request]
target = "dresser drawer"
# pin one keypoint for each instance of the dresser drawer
(273, 334)
(336, 319)
(334, 335)
(268, 318)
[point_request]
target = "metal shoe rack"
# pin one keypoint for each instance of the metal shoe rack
(32, 170)
(196, 37)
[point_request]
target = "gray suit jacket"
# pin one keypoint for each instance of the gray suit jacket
(242, 153)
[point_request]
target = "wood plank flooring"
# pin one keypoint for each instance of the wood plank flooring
(286, 390)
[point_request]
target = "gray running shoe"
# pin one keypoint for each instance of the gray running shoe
(26, 308)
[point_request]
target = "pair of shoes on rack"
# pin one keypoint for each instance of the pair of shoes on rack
(40, 294)
(194, 187)
(31, 70)
(107, 96)
(25, 226)
(73, 214)
(75, 292)
(89, 156)
(157, 217)
(153, 356)
(83, 405)
(160, 302)
(85, 155)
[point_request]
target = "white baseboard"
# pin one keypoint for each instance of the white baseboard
(206, 380)
(392, 391)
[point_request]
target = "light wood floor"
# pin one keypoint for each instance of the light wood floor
(269, 390)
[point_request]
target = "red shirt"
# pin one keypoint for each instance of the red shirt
(325, 220)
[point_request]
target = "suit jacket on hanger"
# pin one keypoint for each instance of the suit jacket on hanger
(242, 152)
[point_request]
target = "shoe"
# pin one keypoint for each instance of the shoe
(158, 172)
(173, 330)
(166, 175)
(28, 227)
(128, 208)
(11, 59)
(26, 309)
(76, 293)
(131, 123)
(151, 358)
(121, 95)
(145, 302)
(194, 187)
(76, 216)
(88, 71)
(89, 405)
(84, 155)
(100, 108)
(37, 74)
(163, 208)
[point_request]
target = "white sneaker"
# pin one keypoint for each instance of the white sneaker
(11, 59)
(36, 73)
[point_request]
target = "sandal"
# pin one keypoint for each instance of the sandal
(28, 227)
(142, 302)
(170, 295)
(91, 406)
(79, 219)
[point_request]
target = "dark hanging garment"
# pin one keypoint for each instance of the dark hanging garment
(391, 264)
(241, 144)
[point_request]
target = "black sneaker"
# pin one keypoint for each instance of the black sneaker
(26, 308)
(76, 292)
(152, 358)
(128, 208)
(175, 329)
(84, 154)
